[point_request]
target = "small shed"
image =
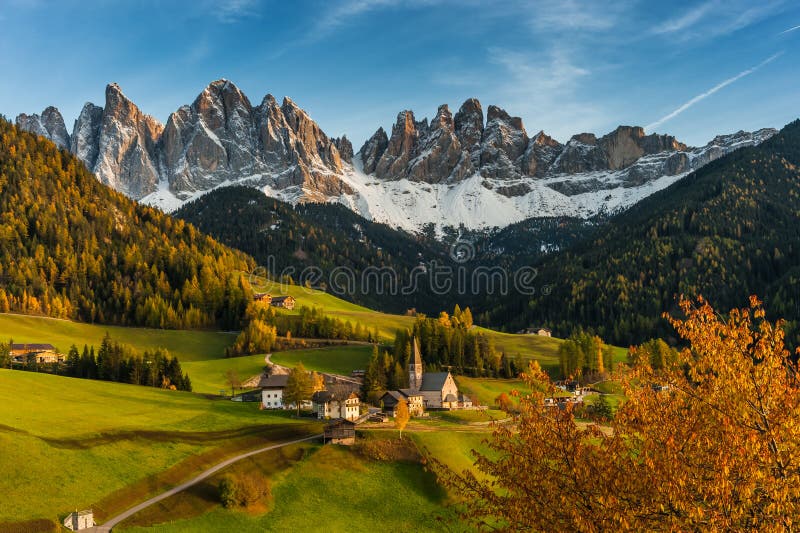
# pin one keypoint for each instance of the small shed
(263, 297)
(340, 431)
(79, 520)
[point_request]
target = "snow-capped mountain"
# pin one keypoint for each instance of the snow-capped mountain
(451, 171)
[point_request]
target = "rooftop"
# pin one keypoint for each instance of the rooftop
(274, 381)
(433, 380)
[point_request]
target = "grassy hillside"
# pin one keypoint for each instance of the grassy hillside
(70, 443)
(485, 390)
(386, 323)
(186, 345)
(543, 349)
(208, 377)
(334, 489)
(335, 360)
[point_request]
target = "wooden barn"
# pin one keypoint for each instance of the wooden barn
(340, 431)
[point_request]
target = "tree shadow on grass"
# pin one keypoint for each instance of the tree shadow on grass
(270, 431)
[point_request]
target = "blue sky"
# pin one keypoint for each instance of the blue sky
(692, 69)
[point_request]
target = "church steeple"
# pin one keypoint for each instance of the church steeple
(415, 366)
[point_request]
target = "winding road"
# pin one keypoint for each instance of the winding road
(183, 486)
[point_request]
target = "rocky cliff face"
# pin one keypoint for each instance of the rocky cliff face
(126, 146)
(49, 124)
(501, 149)
(220, 138)
(451, 170)
(116, 142)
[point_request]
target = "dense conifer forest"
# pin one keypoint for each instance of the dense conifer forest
(70, 247)
(729, 230)
(317, 239)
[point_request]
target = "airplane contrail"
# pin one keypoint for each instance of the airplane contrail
(709, 92)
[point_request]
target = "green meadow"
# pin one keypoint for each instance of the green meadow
(70, 443)
(185, 345)
(485, 390)
(334, 360)
(209, 377)
(452, 448)
(386, 324)
(333, 488)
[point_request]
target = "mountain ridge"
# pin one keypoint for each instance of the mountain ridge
(454, 170)
(726, 231)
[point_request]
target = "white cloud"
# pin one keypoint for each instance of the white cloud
(715, 18)
(687, 20)
(790, 29)
(230, 11)
(703, 96)
(330, 20)
(581, 15)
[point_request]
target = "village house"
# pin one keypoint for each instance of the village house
(340, 431)
(542, 332)
(79, 520)
(414, 401)
(263, 297)
(285, 302)
(272, 388)
(42, 353)
(340, 402)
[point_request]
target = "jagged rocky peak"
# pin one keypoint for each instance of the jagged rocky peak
(616, 150)
(438, 154)
(126, 152)
(469, 127)
(542, 151)
(372, 150)
(85, 141)
(314, 147)
(399, 151)
(223, 105)
(50, 124)
(418, 150)
(503, 145)
(209, 141)
(443, 119)
(345, 148)
(221, 137)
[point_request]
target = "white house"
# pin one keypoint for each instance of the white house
(272, 388)
(336, 403)
(79, 520)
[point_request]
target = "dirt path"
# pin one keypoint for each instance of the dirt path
(183, 486)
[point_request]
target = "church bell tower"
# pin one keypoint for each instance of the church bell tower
(415, 367)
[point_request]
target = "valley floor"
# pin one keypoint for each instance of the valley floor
(110, 446)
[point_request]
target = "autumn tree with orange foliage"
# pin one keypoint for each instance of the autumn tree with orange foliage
(710, 442)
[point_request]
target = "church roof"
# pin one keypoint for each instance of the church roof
(434, 380)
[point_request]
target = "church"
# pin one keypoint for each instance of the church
(438, 390)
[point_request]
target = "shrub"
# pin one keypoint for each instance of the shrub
(228, 492)
(243, 490)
